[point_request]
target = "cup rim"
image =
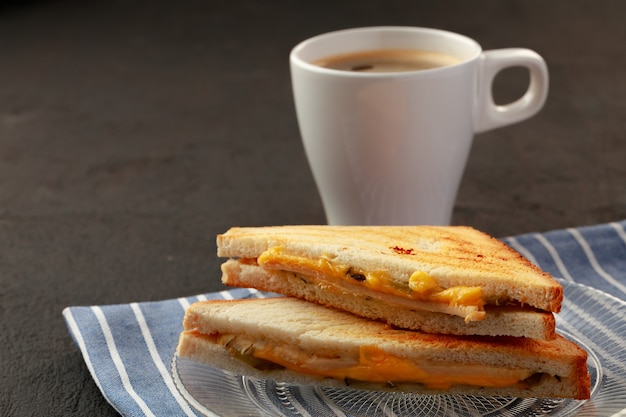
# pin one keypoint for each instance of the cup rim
(296, 52)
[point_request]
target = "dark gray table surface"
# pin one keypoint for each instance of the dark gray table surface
(133, 131)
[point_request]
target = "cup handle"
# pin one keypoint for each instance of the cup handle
(490, 115)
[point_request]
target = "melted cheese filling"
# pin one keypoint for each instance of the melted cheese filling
(376, 366)
(466, 302)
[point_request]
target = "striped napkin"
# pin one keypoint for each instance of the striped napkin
(128, 348)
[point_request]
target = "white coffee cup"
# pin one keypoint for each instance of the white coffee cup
(391, 147)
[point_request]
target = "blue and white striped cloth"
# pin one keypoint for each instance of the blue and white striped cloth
(128, 348)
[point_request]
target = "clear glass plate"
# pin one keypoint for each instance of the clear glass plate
(593, 319)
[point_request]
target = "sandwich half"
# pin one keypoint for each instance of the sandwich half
(437, 279)
(291, 340)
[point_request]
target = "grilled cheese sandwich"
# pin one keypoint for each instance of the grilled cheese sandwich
(409, 276)
(295, 341)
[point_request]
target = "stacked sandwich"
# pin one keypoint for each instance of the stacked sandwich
(420, 309)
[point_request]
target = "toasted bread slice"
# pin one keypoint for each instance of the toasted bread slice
(499, 321)
(454, 271)
(295, 341)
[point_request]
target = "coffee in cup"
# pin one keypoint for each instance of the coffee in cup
(387, 60)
